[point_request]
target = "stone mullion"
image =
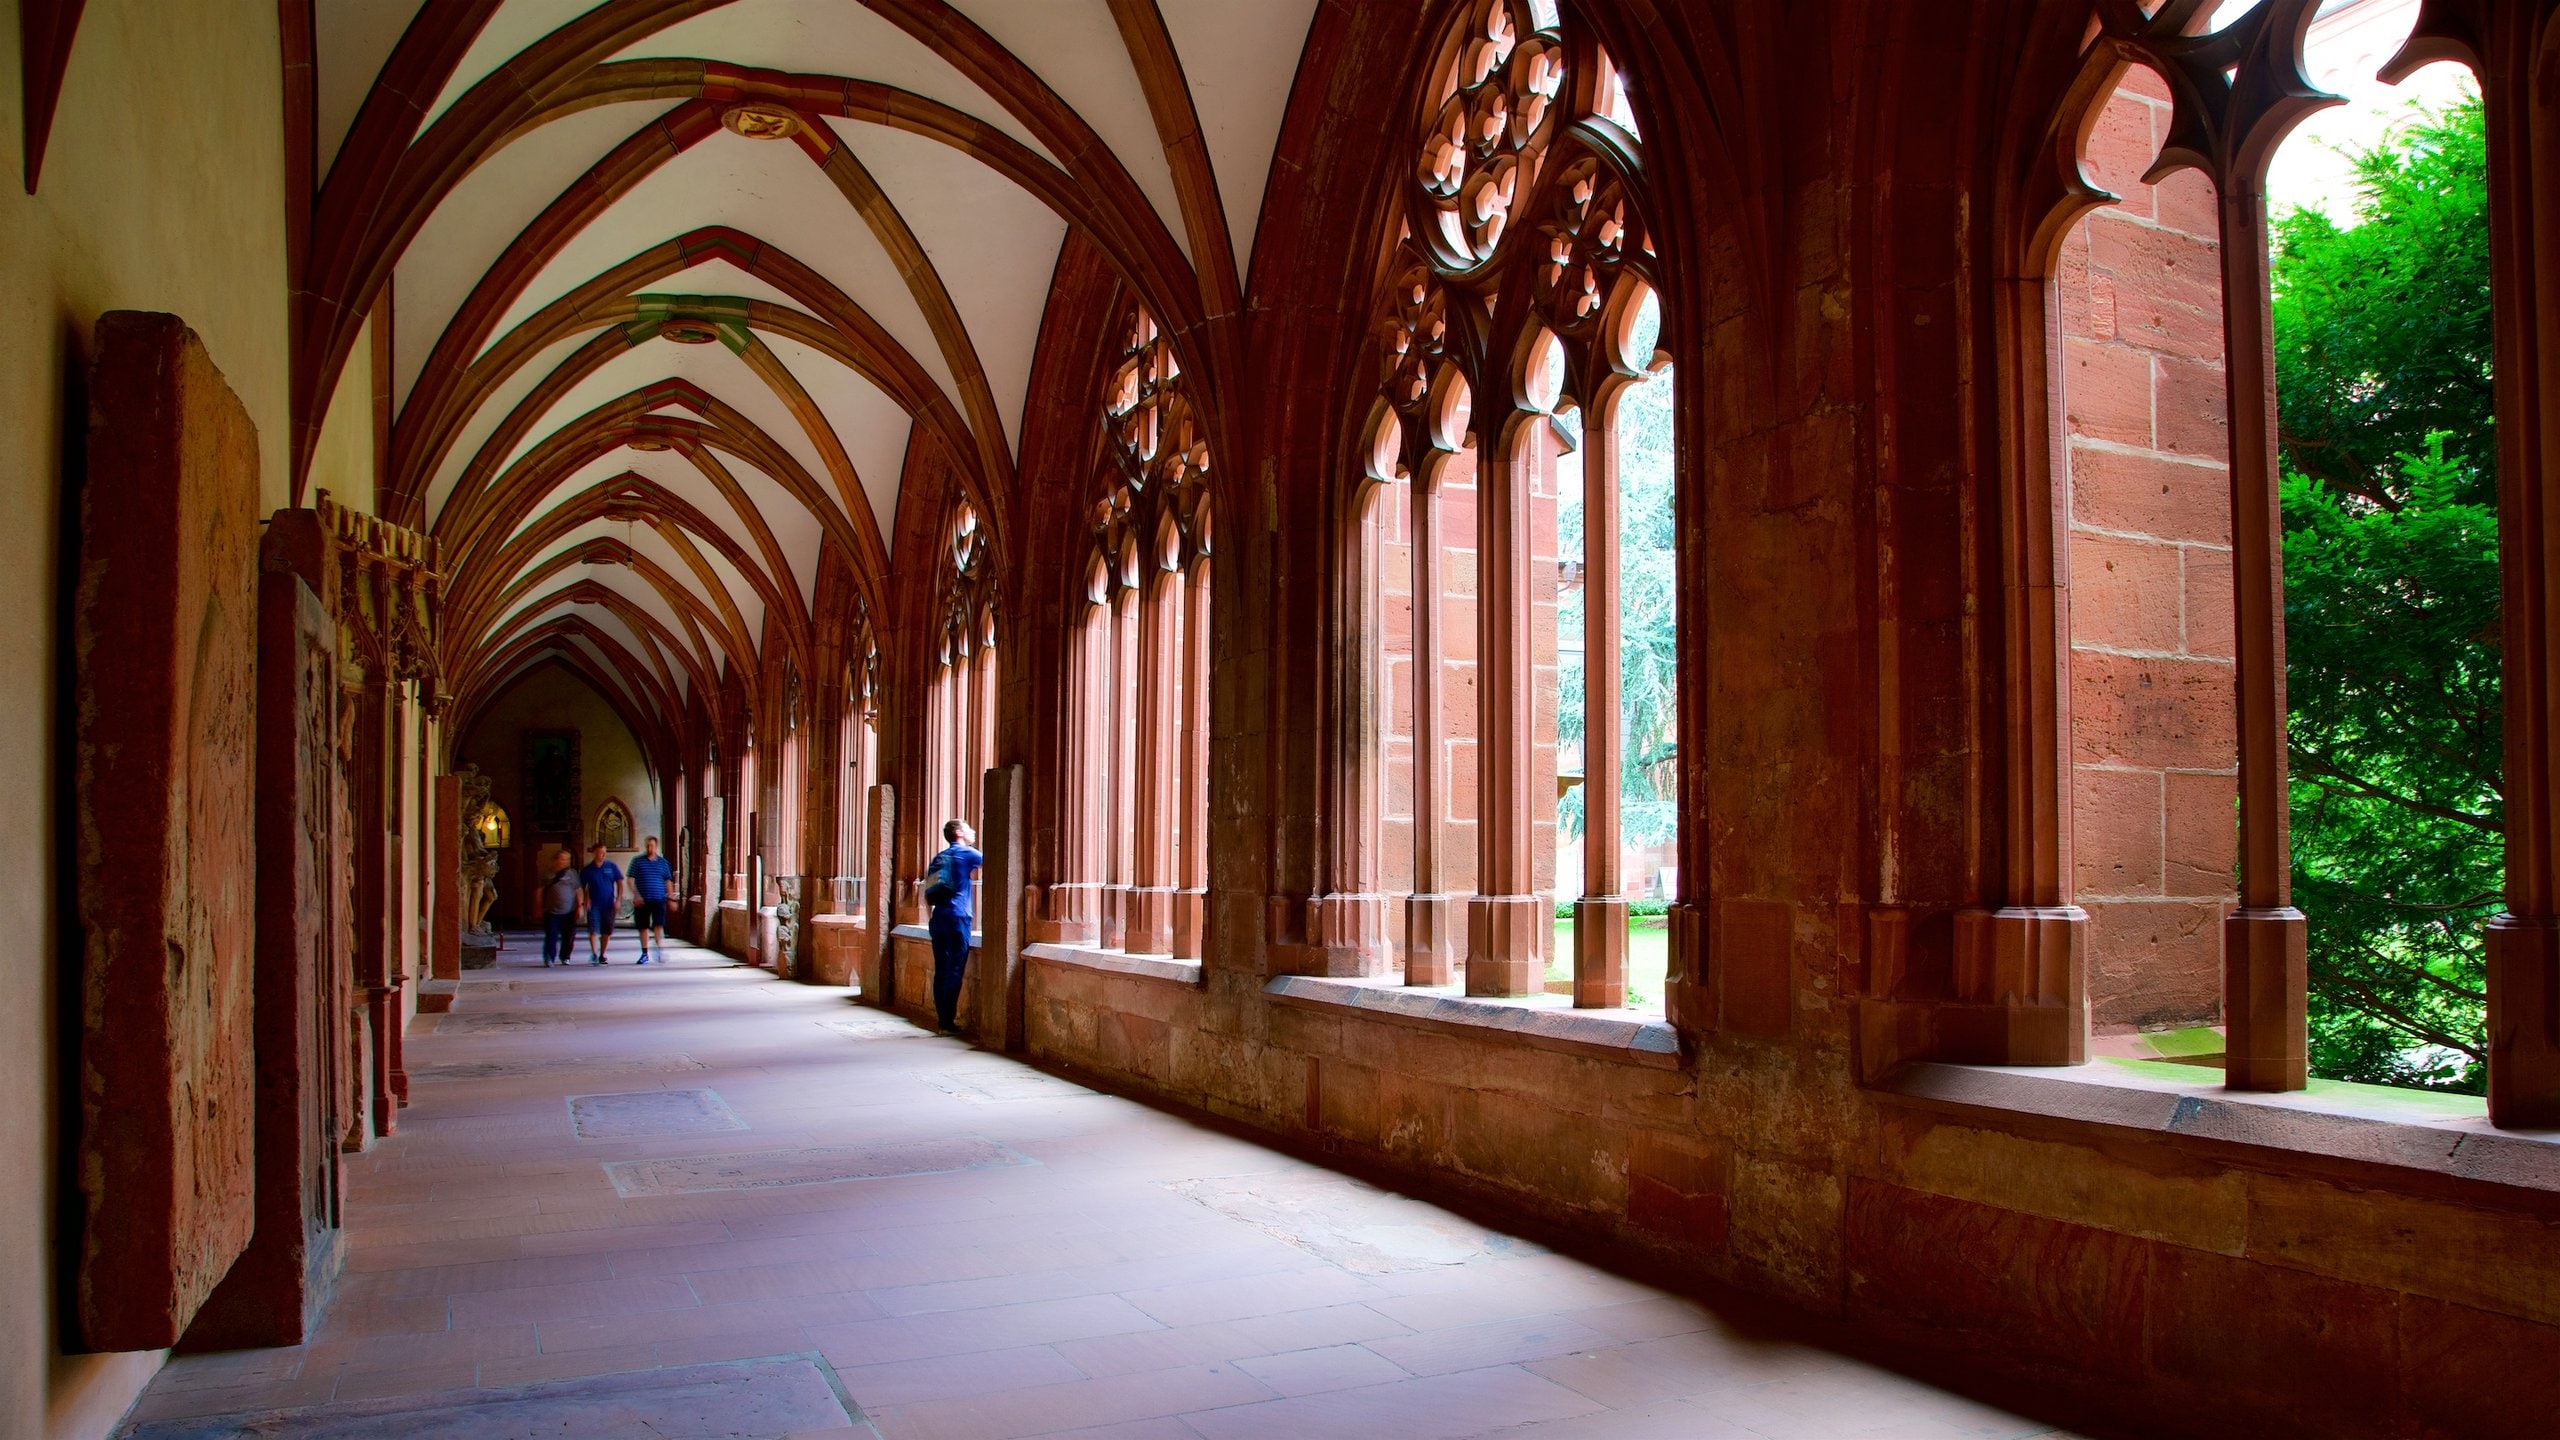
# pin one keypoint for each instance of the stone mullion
(1191, 904)
(1502, 949)
(1150, 922)
(1430, 949)
(1121, 735)
(1070, 901)
(2524, 219)
(1349, 924)
(2263, 941)
(982, 722)
(1600, 914)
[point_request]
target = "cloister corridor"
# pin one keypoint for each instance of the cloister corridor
(624, 1203)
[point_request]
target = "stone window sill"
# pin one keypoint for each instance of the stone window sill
(1543, 1022)
(1118, 962)
(922, 936)
(2447, 1136)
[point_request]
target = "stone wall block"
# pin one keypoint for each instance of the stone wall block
(2261, 1348)
(1977, 1278)
(1677, 1187)
(2489, 1260)
(2148, 1192)
(166, 636)
(2151, 711)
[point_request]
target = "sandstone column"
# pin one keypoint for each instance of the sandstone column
(1159, 739)
(1503, 920)
(1600, 915)
(1430, 915)
(1191, 904)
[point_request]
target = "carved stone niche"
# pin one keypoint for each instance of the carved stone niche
(165, 630)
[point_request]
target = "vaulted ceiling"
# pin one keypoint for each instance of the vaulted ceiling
(673, 285)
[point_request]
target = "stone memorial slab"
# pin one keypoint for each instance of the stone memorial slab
(498, 1022)
(693, 1402)
(817, 1165)
(1359, 1227)
(165, 635)
(987, 1087)
(634, 1114)
(877, 1027)
(570, 1064)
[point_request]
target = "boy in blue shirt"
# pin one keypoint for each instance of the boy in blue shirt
(600, 884)
(649, 874)
(951, 886)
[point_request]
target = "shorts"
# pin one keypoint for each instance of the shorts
(600, 922)
(649, 915)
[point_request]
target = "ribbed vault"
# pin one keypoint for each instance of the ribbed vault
(665, 294)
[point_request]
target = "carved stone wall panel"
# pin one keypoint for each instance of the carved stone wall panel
(166, 635)
(275, 1292)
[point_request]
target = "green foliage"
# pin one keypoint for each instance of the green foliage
(2388, 447)
(1648, 652)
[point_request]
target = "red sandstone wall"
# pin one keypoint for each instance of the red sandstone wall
(2153, 749)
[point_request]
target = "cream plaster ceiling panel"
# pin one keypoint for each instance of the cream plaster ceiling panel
(484, 214)
(825, 37)
(794, 528)
(1075, 47)
(871, 426)
(517, 24)
(994, 244)
(349, 41)
(768, 188)
(1240, 58)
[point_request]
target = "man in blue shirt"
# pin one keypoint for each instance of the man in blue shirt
(600, 884)
(951, 888)
(649, 874)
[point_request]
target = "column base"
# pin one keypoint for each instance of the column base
(1190, 923)
(1351, 933)
(1502, 944)
(1600, 952)
(2022, 993)
(2524, 1023)
(1686, 1001)
(1112, 922)
(2265, 1005)
(1150, 921)
(1068, 914)
(1431, 940)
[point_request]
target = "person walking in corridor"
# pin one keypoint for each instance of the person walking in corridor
(649, 874)
(560, 896)
(602, 881)
(951, 889)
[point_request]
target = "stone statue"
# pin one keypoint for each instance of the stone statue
(482, 823)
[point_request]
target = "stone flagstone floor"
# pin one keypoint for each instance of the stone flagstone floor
(696, 1201)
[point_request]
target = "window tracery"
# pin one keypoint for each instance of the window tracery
(1519, 304)
(960, 714)
(1133, 863)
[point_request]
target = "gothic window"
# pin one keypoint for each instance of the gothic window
(1134, 860)
(2282, 611)
(1510, 545)
(960, 720)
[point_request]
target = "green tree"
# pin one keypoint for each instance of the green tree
(2388, 446)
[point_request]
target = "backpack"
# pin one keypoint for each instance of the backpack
(938, 889)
